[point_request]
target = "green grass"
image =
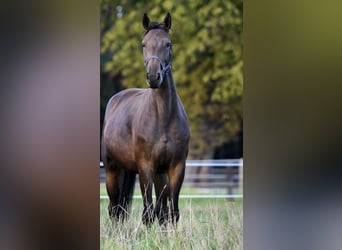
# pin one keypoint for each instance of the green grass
(203, 224)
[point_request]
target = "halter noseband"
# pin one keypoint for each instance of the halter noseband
(164, 68)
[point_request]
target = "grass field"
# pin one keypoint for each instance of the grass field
(203, 224)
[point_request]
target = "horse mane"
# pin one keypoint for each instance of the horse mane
(156, 25)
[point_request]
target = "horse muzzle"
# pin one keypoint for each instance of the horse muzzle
(154, 80)
(154, 76)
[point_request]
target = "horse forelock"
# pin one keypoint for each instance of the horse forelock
(156, 25)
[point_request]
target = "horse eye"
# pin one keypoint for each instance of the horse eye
(143, 45)
(168, 45)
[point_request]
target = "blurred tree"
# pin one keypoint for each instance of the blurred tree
(207, 61)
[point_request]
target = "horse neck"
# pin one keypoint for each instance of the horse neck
(165, 99)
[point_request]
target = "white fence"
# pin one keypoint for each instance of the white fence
(212, 178)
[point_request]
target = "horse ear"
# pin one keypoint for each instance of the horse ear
(167, 21)
(145, 21)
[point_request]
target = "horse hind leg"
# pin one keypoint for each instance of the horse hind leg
(126, 188)
(112, 186)
(112, 183)
(120, 187)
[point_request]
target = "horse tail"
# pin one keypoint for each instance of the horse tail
(127, 182)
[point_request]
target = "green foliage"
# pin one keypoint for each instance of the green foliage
(207, 60)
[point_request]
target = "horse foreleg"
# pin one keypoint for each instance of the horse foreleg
(176, 177)
(162, 191)
(146, 183)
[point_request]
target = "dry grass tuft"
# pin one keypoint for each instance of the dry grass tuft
(208, 224)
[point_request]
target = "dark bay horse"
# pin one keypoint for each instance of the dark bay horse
(146, 131)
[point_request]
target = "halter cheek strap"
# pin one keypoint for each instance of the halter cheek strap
(164, 68)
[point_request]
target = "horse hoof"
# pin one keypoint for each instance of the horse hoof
(148, 219)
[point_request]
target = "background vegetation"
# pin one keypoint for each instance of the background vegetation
(207, 62)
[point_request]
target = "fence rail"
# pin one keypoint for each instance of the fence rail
(222, 176)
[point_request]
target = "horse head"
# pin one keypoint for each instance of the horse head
(157, 50)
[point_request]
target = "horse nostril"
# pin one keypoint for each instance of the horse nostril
(153, 76)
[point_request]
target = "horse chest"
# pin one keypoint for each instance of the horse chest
(157, 148)
(163, 146)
